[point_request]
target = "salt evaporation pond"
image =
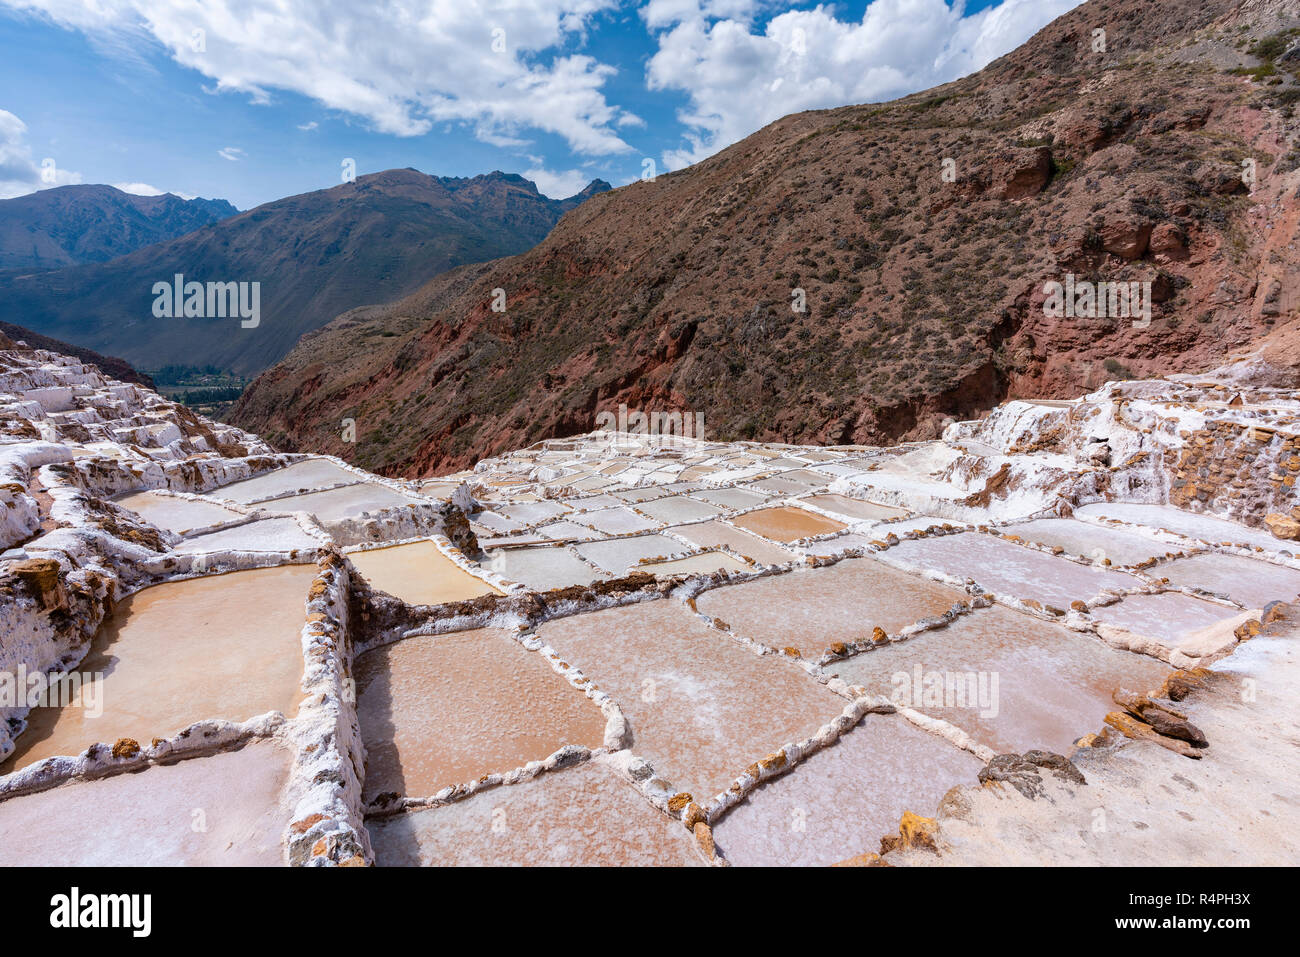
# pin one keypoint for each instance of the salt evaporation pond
(785, 523)
(566, 530)
(701, 707)
(812, 607)
(180, 652)
(176, 514)
(1192, 524)
(1053, 685)
(307, 474)
(619, 555)
(146, 819)
(1091, 541)
(265, 535)
(531, 513)
(580, 816)
(615, 521)
(1252, 583)
(544, 568)
(730, 497)
(856, 508)
(419, 574)
(339, 503)
(1170, 618)
(448, 709)
(1009, 569)
(719, 534)
(705, 563)
(842, 799)
(679, 508)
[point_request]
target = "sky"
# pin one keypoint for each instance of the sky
(254, 100)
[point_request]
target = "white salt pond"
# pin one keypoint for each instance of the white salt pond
(1009, 569)
(581, 816)
(1170, 618)
(1091, 541)
(1252, 583)
(1196, 525)
(856, 508)
(812, 607)
(705, 563)
(567, 531)
(544, 568)
(265, 535)
(147, 818)
(448, 709)
(679, 508)
(701, 707)
(615, 521)
(620, 555)
(300, 476)
(176, 514)
(531, 513)
(843, 799)
(419, 574)
(180, 652)
(1012, 682)
(339, 503)
(730, 497)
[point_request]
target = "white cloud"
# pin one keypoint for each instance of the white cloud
(739, 80)
(232, 153)
(403, 67)
(20, 172)
(558, 185)
(309, 126)
(139, 189)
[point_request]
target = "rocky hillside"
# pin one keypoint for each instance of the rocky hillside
(71, 225)
(1169, 157)
(12, 337)
(314, 255)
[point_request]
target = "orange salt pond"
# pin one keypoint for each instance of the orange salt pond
(842, 799)
(784, 523)
(1012, 682)
(812, 607)
(228, 646)
(147, 818)
(419, 574)
(580, 816)
(447, 709)
(701, 707)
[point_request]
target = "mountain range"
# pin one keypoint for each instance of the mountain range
(312, 256)
(73, 225)
(868, 273)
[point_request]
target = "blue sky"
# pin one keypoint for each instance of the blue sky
(252, 100)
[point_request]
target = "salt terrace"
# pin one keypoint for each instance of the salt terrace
(612, 649)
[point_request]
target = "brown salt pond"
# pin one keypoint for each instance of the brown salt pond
(447, 709)
(715, 534)
(227, 646)
(148, 818)
(812, 607)
(701, 706)
(784, 523)
(841, 800)
(419, 574)
(580, 816)
(1024, 683)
